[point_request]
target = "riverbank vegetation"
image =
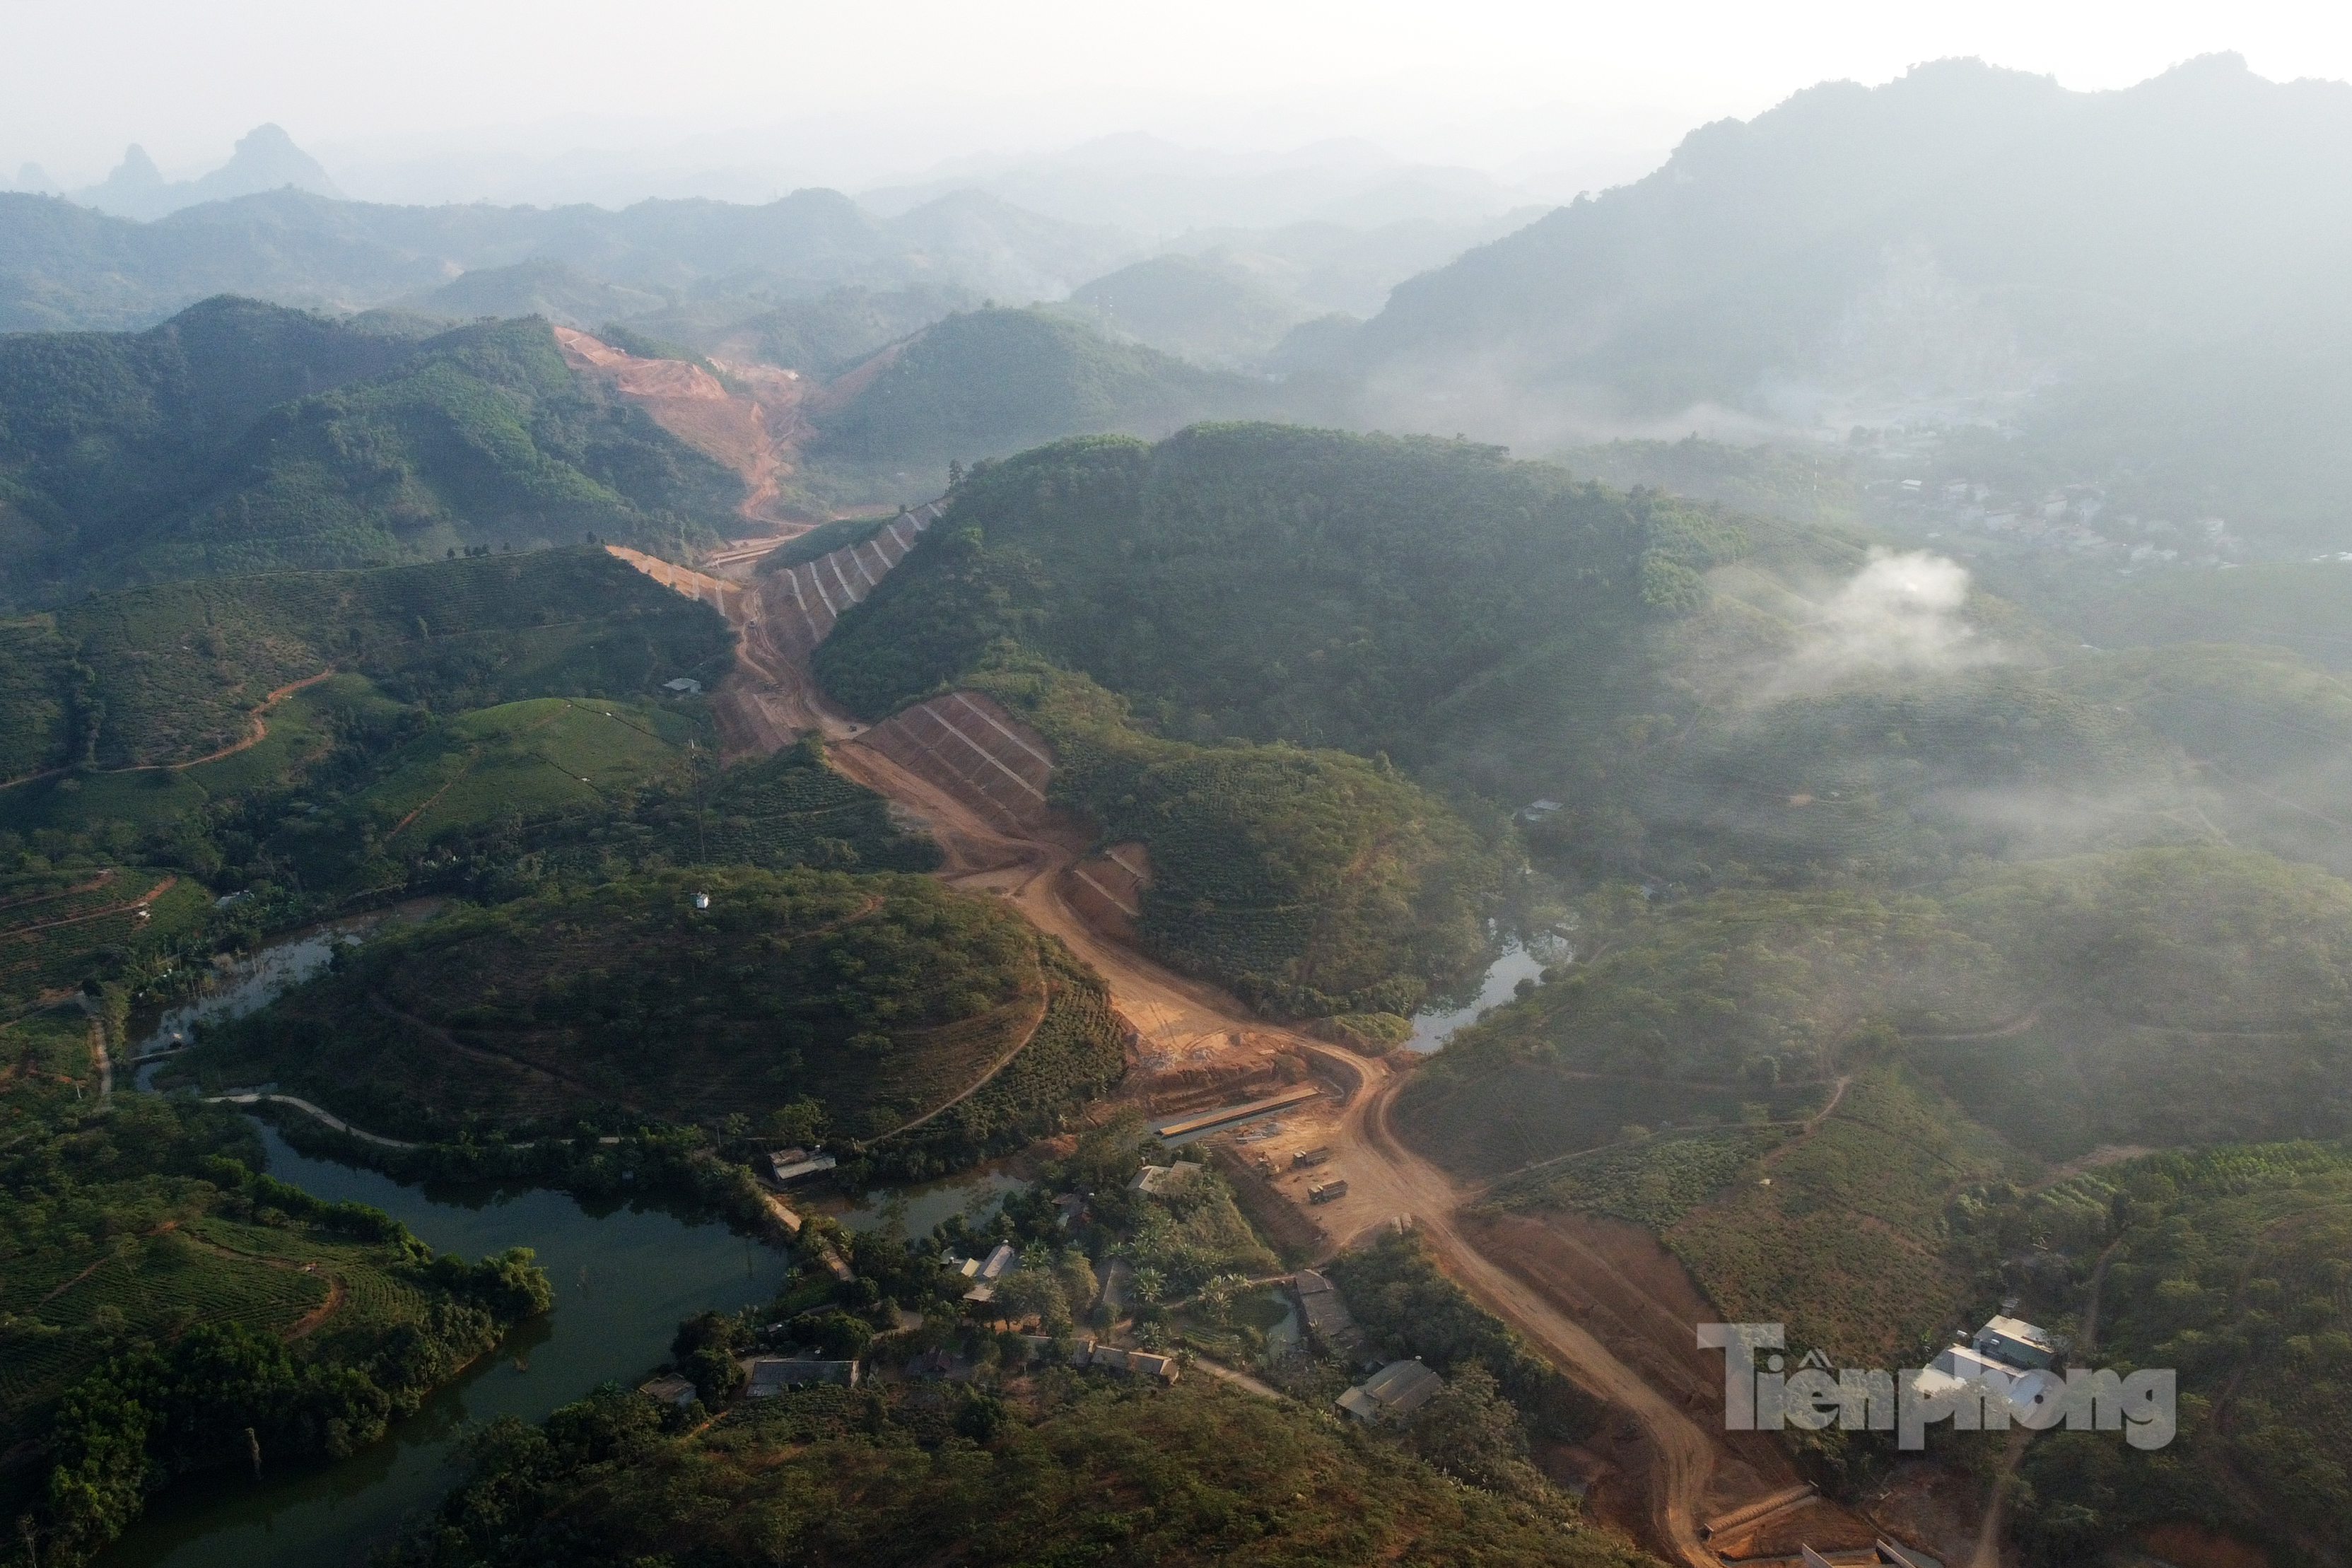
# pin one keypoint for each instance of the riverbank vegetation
(165, 1308)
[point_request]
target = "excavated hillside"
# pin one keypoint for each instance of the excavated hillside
(759, 434)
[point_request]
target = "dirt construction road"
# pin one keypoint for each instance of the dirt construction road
(1388, 1183)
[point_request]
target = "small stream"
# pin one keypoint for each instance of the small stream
(1435, 1023)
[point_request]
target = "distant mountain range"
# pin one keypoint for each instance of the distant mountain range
(64, 265)
(1939, 247)
(2139, 291)
(266, 160)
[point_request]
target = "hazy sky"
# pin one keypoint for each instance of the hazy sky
(859, 88)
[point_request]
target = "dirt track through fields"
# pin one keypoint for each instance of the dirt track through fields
(774, 697)
(260, 733)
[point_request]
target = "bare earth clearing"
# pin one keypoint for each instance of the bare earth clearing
(756, 435)
(1605, 1303)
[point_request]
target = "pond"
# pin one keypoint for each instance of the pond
(976, 1194)
(256, 979)
(624, 1277)
(1435, 1023)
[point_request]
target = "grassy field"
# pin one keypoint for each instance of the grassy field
(1652, 1181)
(301, 729)
(550, 756)
(794, 809)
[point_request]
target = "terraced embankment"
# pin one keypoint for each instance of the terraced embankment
(818, 590)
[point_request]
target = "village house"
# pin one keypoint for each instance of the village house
(787, 1165)
(1326, 1315)
(772, 1374)
(1143, 1362)
(1393, 1393)
(985, 1273)
(669, 1389)
(2008, 1358)
(1155, 1179)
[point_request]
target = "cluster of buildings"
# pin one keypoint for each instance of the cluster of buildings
(2060, 523)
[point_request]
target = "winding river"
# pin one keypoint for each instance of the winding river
(624, 1277)
(624, 1274)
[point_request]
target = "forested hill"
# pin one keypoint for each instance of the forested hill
(1272, 609)
(2203, 202)
(983, 383)
(64, 266)
(1274, 582)
(166, 674)
(240, 436)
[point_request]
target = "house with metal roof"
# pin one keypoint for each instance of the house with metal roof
(1164, 1178)
(1328, 1318)
(2017, 1342)
(669, 1389)
(986, 1273)
(1394, 1392)
(772, 1374)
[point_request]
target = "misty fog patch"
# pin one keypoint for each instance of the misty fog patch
(1899, 615)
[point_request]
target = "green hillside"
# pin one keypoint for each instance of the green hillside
(1194, 308)
(1062, 1467)
(823, 335)
(1311, 881)
(815, 1000)
(101, 433)
(1269, 582)
(241, 437)
(266, 735)
(1804, 486)
(168, 674)
(2126, 289)
(983, 383)
(2229, 1266)
(2151, 996)
(500, 799)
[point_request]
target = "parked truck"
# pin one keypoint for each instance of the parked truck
(1306, 1158)
(1324, 1192)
